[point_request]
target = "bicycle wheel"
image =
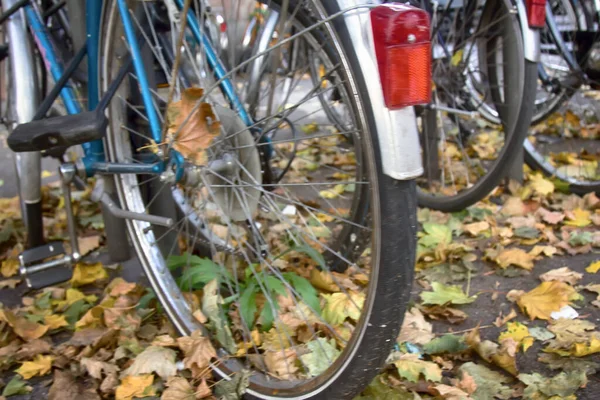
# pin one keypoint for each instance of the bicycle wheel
(565, 141)
(268, 241)
(477, 114)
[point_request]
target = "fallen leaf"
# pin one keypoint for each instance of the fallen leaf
(84, 274)
(192, 126)
(519, 333)
(551, 217)
(323, 280)
(9, 283)
(500, 320)
(541, 185)
(211, 308)
(561, 385)
(578, 217)
(593, 267)
(514, 206)
(503, 355)
(281, 363)
(197, 349)
(9, 267)
(434, 235)
(451, 393)
(24, 328)
(135, 387)
(88, 243)
(546, 298)
(95, 367)
(490, 384)
(445, 344)
(540, 333)
(340, 306)
(66, 386)
(452, 315)
(415, 329)
(443, 294)
(322, 353)
(16, 386)
(41, 365)
(33, 348)
(515, 256)
(160, 360)
(563, 274)
(119, 286)
(55, 321)
(178, 388)
(411, 368)
(476, 228)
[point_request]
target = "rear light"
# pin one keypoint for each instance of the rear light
(402, 45)
(536, 13)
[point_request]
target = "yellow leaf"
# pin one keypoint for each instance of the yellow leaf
(585, 349)
(9, 267)
(541, 185)
(323, 280)
(26, 329)
(545, 299)
(55, 321)
(593, 267)
(73, 295)
(457, 58)
(192, 128)
(340, 306)
(410, 367)
(503, 355)
(47, 174)
(135, 387)
(281, 363)
(578, 217)
(84, 274)
(519, 333)
(41, 365)
(516, 257)
(476, 228)
(93, 317)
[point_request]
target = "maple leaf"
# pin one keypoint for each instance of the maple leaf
(9, 267)
(503, 355)
(551, 217)
(340, 306)
(40, 365)
(515, 256)
(24, 328)
(443, 294)
(197, 349)
(193, 137)
(9, 283)
(66, 386)
(55, 321)
(135, 386)
(88, 243)
(178, 388)
(96, 367)
(437, 312)
(411, 368)
(119, 286)
(561, 385)
(573, 337)
(157, 359)
(545, 299)
(322, 354)
(489, 384)
(33, 348)
(414, 328)
(451, 393)
(84, 274)
(541, 185)
(475, 228)
(563, 274)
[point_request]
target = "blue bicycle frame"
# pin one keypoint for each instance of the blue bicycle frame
(94, 151)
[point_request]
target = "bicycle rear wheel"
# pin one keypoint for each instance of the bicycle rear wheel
(272, 241)
(481, 104)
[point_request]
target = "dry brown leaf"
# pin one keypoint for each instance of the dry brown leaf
(88, 243)
(33, 348)
(545, 299)
(281, 363)
(503, 355)
(9, 283)
(197, 349)
(194, 137)
(23, 327)
(563, 274)
(476, 228)
(452, 315)
(415, 329)
(451, 393)
(178, 388)
(551, 217)
(119, 286)
(95, 367)
(109, 384)
(164, 340)
(66, 387)
(514, 206)
(500, 320)
(154, 359)
(203, 390)
(467, 383)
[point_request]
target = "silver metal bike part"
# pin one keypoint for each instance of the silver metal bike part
(67, 174)
(531, 37)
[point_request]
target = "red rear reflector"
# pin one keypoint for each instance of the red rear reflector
(403, 49)
(536, 13)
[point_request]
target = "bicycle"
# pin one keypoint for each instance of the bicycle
(562, 143)
(206, 188)
(477, 115)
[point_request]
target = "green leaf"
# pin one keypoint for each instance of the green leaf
(378, 390)
(266, 316)
(527, 232)
(43, 301)
(411, 368)
(580, 238)
(322, 354)
(248, 305)
(76, 310)
(305, 290)
(445, 344)
(275, 285)
(233, 389)
(146, 299)
(211, 307)
(489, 383)
(435, 234)
(200, 271)
(563, 384)
(541, 333)
(16, 386)
(443, 294)
(479, 214)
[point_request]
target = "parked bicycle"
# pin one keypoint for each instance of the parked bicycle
(229, 196)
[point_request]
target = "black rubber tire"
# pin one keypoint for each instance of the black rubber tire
(505, 159)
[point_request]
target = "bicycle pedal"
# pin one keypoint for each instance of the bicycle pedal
(45, 265)
(63, 131)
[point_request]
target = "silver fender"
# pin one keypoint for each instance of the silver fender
(531, 37)
(397, 129)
